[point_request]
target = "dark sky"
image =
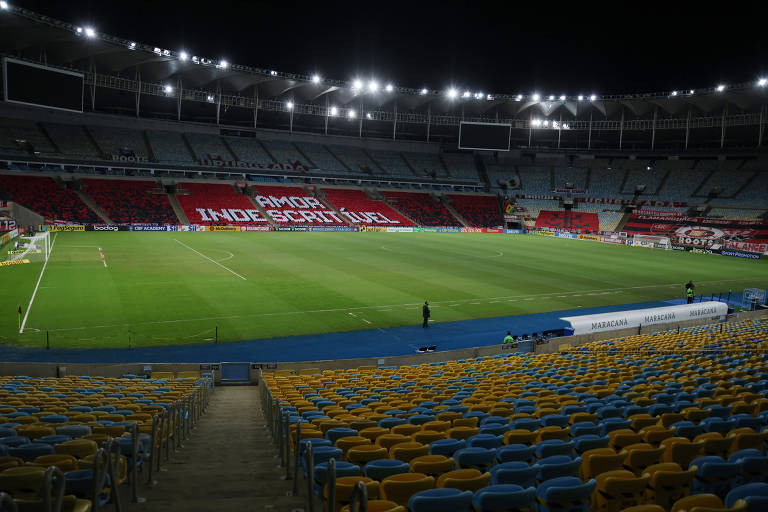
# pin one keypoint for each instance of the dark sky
(511, 47)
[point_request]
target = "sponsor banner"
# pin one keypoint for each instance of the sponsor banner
(594, 238)
(60, 227)
(740, 254)
(9, 263)
(586, 324)
(514, 231)
(740, 246)
(373, 229)
(102, 227)
(449, 230)
(611, 240)
(399, 230)
(5, 238)
(13, 233)
(302, 228)
(23, 251)
(567, 235)
(284, 228)
(471, 230)
(293, 166)
(142, 227)
(224, 228)
(699, 231)
(493, 230)
(574, 191)
(545, 233)
(425, 230)
(676, 247)
(122, 158)
(339, 228)
(257, 228)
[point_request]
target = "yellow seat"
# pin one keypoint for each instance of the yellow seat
(406, 430)
(428, 436)
(344, 486)
(552, 432)
(399, 488)
(62, 461)
(462, 432)
(161, 375)
(464, 480)
(433, 465)
(519, 436)
(78, 448)
(667, 483)
(438, 426)
(362, 454)
(373, 433)
(680, 450)
(408, 450)
(389, 440)
(380, 506)
(465, 422)
(623, 437)
(599, 460)
(617, 490)
(640, 456)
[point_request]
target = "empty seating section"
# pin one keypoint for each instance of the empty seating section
(361, 210)
(13, 132)
(736, 213)
(532, 207)
(461, 166)
(321, 157)
(478, 211)
(666, 420)
(500, 174)
(217, 204)
(727, 182)
(605, 183)
(355, 159)
(131, 202)
(536, 180)
(757, 190)
(72, 140)
(681, 184)
(426, 164)
(169, 147)
(208, 146)
(293, 205)
(637, 176)
(573, 176)
(111, 140)
(392, 162)
(422, 208)
(249, 150)
(609, 218)
(76, 423)
(284, 152)
(43, 195)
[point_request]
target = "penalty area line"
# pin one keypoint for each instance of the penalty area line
(209, 259)
(40, 278)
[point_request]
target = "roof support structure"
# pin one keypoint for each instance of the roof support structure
(687, 127)
(138, 92)
(559, 130)
(394, 122)
(218, 103)
(360, 127)
(722, 127)
(327, 111)
(178, 99)
(530, 129)
(429, 119)
(255, 106)
(761, 127)
(621, 127)
(93, 87)
(589, 137)
(653, 127)
(290, 116)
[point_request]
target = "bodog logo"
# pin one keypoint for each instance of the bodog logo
(105, 228)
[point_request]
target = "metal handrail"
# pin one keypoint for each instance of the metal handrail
(310, 456)
(330, 484)
(100, 468)
(7, 504)
(134, 475)
(53, 489)
(287, 442)
(154, 452)
(359, 497)
(113, 452)
(296, 461)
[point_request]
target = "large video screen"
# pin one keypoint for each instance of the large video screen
(34, 84)
(484, 136)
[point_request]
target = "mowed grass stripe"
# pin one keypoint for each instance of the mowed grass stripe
(157, 292)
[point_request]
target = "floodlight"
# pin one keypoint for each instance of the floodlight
(334, 111)
(466, 94)
(156, 50)
(674, 93)
(648, 168)
(720, 88)
(562, 97)
(566, 126)
(315, 79)
(351, 114)
(4, 5)
(546, 123)
(581, 97)
(373, 86)
(424, 91)
(489, 97)
(519, 97)
(357, 84)
(79, 30)
(592, 98)
(536, 122)
(183, 55)
(210, 98)
(368, 115)
(389, 88)
(223, 64)
(168, 89)
(691, 92)
(89, 32)
(762, 82)
(452, 93)
(131, 45)
(536, 96)
(551, 97)
(289, 105)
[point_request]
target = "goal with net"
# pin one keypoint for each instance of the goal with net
(652, 241)
(33, 248)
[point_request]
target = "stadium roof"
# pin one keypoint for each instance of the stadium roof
(28, 35)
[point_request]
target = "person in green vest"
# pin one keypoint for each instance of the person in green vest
(689, 294)
(508, 339)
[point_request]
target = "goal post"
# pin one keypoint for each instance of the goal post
(33, 248)
(652, 241)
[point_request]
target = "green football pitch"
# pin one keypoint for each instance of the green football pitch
(180, 288)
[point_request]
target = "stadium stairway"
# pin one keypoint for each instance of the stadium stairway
(449, 206)
(321, 196)
(93, 206)
(178, 210)
(229, 464)
(261, 209)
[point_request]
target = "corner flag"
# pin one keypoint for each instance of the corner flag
(19, 316)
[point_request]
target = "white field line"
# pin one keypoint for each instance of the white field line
(510, 298)
(31, 300)
(212, 261)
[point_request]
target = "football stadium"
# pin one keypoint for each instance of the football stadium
(228, 287)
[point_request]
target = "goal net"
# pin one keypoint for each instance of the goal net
(652, 241)
(32, 248)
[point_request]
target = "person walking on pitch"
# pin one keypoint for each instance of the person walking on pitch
(425, 313)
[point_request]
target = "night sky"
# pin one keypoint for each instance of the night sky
(580, 47)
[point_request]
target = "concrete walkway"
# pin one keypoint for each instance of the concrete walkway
(230, 463)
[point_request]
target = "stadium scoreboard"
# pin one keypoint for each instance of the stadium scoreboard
(485, 136)
(42, 86)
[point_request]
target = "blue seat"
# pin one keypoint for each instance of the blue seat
(590, 442)
(31, 451)
(687, 429)
(342, 469)
(474, 457)
(391, 422)
(515, 452)
(716, 424)
(714, 475)
(420, 419)
(503, 497)
(718, 411)
(659, 409)
(80, 483)
(553, 447)
(565, 493)
(494, 429)
(54, 418)
(745, 420)
(754, 465)
(334, 434)
(441, 500)
(73, 430)
(325, 453)
(608, 425)
(755, 494)
(382, 468)
(526, 424)
(446, 447)
(15, 441)
(557, 420)
(609, 412)
(52, 440)
(8, 432)
(515, 472)
(485, 441)
(501, 420)
(557, 466)
(585, 427)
